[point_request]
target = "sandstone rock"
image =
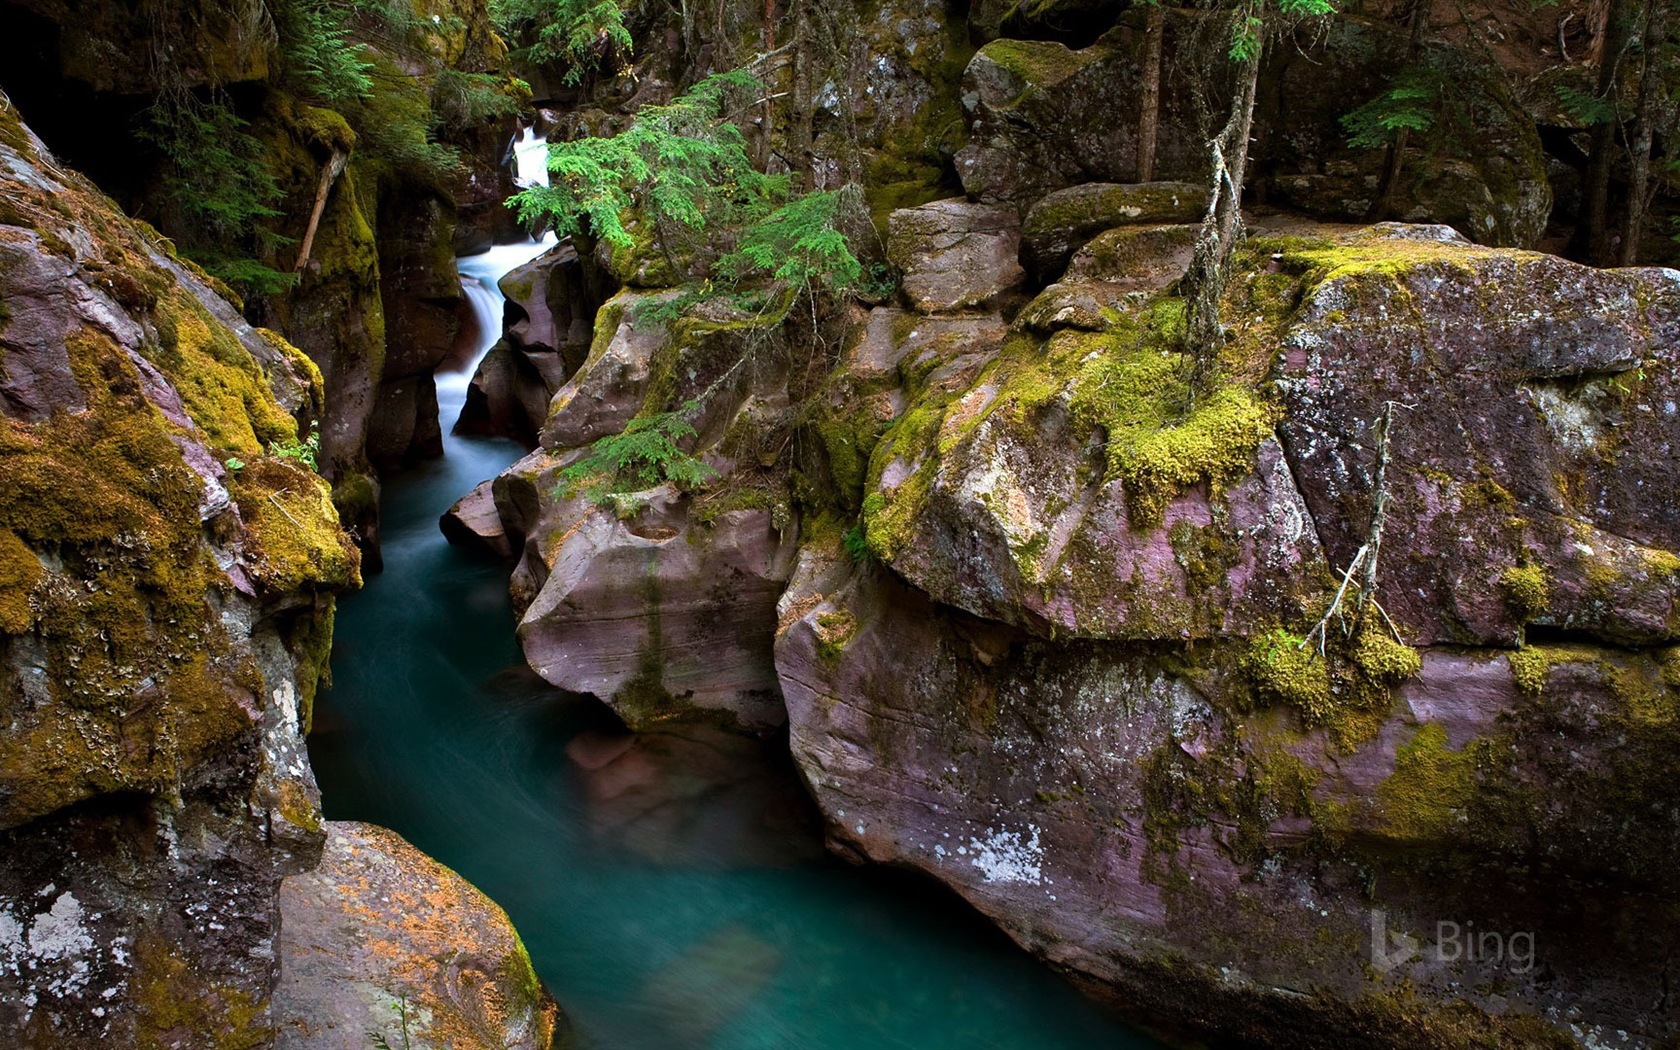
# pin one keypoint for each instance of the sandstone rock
(382, 939)
(1059, 224)
(1111, 806)
(660, 616)
(420, 297)
(606, 392)
(550, 313)
(954, 253)
(474, 522)
(1135, 258)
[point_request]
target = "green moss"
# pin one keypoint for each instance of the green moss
(170, 996)
(1286, 669)
(834, 630)
(1345, 690)
(221, 385)
(1385, 660)
(1530, 667)
(298, 544)
(20, 571)
(1039, 64)
(1527, 590)
(1430, 789)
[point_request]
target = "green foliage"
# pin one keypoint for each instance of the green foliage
(304, 453)
(578, 34)
(1408, 103)
(800, 244)
(856, 542)
(317, 53)
(463, 100)
(645, 454)
(684, 166)
(1249, 23)
(684, 163)
(1584, 106)
(213, 173)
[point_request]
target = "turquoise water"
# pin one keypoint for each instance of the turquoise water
(671, 888)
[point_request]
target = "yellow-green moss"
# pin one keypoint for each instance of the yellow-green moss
(289, 514)
(170, 997)
(1285, 669)
(1530, 667)
(1039, 64)
(1385, 660)
(221, 385)
(833, 630)
(20, 571)
(1426, 795)
(1527, 590)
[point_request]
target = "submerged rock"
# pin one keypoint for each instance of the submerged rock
(382, 940)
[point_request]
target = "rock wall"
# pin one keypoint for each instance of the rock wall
(168, 593)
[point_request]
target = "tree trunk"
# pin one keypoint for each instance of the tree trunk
(330, 171)
(1656, 32)
(1204, 282)
(1149, 116)
(1396, 159)
(1592, 231)
(799, 132)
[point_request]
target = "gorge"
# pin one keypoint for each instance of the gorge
(880, 523)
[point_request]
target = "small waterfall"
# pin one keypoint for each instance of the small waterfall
(530, 159)
(479, 276)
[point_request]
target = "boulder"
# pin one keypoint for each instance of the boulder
(381, 940)
(954, 253)
(1532, 439)
(473, 522)
(550, 310)
(1113, 806)
(658, 615)
(1062, 222)
(166, 597)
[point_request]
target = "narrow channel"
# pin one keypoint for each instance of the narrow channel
(671, 888)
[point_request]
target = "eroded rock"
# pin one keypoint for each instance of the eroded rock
(382, 939)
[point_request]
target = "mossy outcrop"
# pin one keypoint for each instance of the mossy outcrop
(168, 584)
(1083, 679)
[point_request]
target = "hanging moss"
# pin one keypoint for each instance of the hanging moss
(1527, 590)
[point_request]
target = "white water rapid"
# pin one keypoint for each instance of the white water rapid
(479, 274)
(530, 159)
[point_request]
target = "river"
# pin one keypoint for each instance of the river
(671, 888)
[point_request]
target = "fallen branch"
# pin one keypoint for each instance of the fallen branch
(329, 175)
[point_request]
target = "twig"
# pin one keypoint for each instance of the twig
(1321, 629)
(278, 506)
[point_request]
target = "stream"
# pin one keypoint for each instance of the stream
(671, 888)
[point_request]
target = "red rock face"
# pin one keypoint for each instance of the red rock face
(1145, 814)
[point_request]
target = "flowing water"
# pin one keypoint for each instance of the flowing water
(671, 888)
